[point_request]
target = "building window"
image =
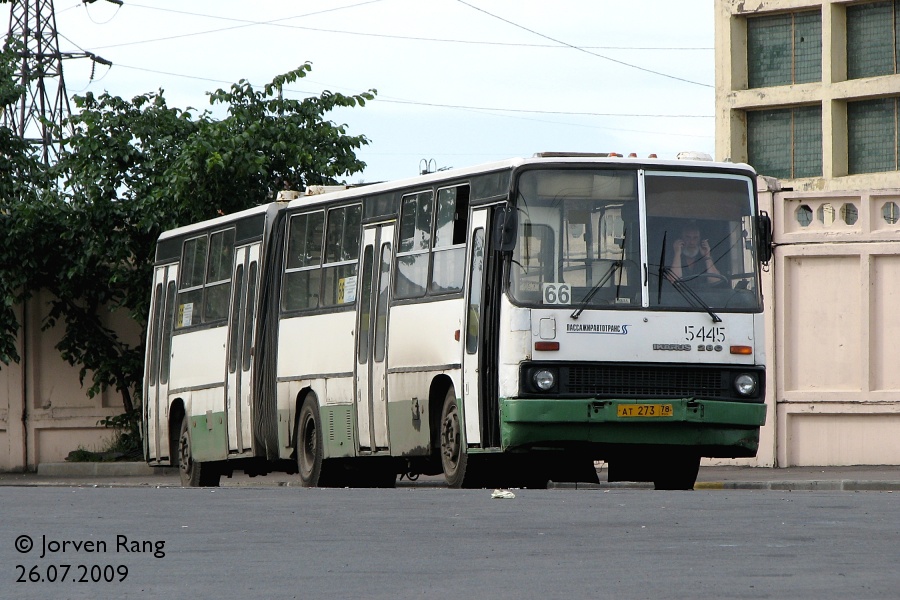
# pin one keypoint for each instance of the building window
(873, 47)
(872, 136)
(786, 142)
(784, 49)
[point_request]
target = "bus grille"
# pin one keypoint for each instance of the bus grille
(645, 381)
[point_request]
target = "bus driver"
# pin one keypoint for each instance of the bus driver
(691, 256)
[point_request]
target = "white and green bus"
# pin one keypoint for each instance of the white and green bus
(505, 325)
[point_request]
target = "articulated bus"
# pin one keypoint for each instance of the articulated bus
(505, 325)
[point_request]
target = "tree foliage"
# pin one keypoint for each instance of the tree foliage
(132, 169)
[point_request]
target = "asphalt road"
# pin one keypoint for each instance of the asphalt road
(440, 543)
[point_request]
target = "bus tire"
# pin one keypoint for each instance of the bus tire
(194, 473)
(309, 448)
(454, 458)
(678, 471)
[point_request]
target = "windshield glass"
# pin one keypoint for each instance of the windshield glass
(700, 238)
(579, 241)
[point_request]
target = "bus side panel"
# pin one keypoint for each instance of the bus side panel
(208, 424)
(515, 345)
(317, 345)
(316, 352)
(337, 419)
(198, 359)
(424, 341)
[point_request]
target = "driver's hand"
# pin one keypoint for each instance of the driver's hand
(704, 248)
(678, 245)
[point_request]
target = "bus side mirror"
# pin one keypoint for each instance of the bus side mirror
(505, 228)
(764, 235)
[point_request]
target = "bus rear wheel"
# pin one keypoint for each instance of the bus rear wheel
(310, 452)
(193, 473)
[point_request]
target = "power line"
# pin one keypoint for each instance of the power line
(243, 24)
(581, 49)
(440, 105)
(277, 23)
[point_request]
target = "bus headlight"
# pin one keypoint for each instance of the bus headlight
(544, 379)
(746, 384)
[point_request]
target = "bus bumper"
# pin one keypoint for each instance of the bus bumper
(718, 429)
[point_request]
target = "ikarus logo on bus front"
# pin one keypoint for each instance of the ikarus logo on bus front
(702, 338)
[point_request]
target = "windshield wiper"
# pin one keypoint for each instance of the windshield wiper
(616, 264)
(693, 298)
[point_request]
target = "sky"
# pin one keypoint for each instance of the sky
(459, 82)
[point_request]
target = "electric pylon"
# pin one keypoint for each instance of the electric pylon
(44, 102)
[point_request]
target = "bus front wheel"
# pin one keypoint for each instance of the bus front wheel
(677, 470)
(455, 461)
(193, 473)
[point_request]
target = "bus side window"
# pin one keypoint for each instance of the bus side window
(415, 245)
(449, 269)
(218, 276)
(190, 287)
(302, 275)
(475, 284)
(341, 255)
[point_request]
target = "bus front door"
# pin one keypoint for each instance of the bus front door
(241, 325)
(156, 411)
(474, 326)
(371, 338)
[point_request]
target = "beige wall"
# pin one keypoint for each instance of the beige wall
(833, 385)
(836, 391)
(45, 413)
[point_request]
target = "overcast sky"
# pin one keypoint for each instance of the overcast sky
(459, 82)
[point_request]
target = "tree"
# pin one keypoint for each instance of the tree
(22, 181)
(133, 169)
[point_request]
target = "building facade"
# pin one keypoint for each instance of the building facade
(808, 92)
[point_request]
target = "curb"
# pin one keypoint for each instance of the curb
(840, 485)
(102, 469)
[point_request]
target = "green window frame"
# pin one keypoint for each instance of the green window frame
(872, 135)
(873, 42)
(787, 142)
(784, 49)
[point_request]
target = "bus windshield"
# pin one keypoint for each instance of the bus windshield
(581, 240)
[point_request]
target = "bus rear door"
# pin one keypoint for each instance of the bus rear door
(372, 324)
(241, 325)
(156, 434)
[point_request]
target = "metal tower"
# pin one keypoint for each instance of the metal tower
(44, 102)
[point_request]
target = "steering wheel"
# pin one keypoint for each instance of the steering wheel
(718, 277)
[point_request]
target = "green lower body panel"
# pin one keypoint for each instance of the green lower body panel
(209, 438)
(338, 430)
(719, 429)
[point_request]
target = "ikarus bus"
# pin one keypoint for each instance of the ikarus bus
(505, 325)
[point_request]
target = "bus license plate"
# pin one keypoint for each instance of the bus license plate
(644, 410)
